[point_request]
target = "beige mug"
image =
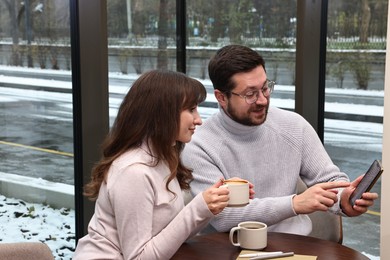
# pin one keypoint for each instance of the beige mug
(251, 235)
(238, 192)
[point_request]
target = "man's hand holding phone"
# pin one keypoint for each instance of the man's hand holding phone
(356, 199)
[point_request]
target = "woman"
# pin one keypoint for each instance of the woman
(138, 183)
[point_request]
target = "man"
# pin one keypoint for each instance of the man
(268, 146)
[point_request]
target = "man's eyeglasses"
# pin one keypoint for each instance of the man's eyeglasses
(253, 95)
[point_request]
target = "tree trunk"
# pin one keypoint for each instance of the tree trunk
(162, 56)
(15, 59)
(365, 22)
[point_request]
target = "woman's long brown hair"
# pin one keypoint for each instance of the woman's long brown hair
(150, 112)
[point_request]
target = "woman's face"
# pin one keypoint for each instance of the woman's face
(189, 119)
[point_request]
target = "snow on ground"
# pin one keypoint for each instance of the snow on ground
(23, 221)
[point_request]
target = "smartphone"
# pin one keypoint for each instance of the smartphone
(369, 179)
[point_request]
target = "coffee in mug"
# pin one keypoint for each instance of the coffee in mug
(238, 192)
(251, 235)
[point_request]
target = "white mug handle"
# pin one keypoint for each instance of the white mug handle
(231, 236)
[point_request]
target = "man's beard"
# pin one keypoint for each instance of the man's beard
(247, 120)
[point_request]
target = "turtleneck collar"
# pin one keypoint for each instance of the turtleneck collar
(234, 127)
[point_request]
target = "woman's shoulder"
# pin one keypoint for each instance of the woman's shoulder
(136, 167)
(138, 160)
(135, 155)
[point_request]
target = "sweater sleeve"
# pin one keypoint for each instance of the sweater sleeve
(317, 166)
(133, 197)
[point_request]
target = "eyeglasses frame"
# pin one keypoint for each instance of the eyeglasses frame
(270, 87)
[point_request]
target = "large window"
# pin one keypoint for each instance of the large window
(141, 37)
(36, 110)
(354, 101)
(36, 126)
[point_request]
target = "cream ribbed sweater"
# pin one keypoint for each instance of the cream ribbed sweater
(136, 217)
(272, 156)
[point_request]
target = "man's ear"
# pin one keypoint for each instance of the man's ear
(221, 97)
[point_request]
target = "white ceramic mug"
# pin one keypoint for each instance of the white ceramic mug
(238, 192)
(250, 235)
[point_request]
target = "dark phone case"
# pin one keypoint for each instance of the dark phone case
(369, 179)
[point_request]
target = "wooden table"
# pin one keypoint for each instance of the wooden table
(217, 246)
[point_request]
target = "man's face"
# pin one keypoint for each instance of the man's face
(237, 107)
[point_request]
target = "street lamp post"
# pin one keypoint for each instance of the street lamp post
(129, 22)
(27, 11)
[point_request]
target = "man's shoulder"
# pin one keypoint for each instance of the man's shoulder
(209, 125)
(287, 124)
(282, 116)
(283, 112)
(209, 135)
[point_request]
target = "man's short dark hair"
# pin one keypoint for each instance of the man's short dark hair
(228, 61)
